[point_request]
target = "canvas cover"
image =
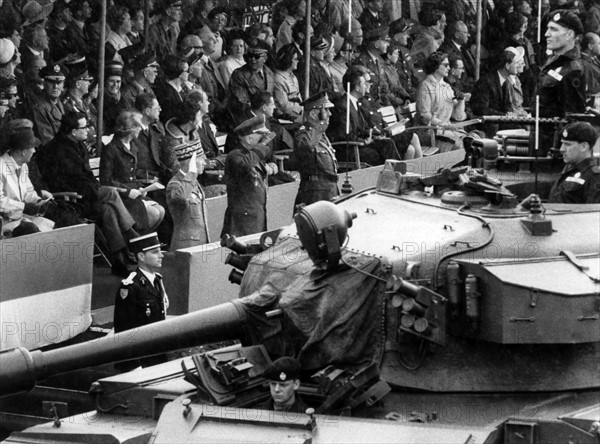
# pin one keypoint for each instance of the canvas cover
(329, 317)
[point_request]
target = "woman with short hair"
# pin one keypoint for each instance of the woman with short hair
(286, 89)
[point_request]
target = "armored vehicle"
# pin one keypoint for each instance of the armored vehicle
(480, 310)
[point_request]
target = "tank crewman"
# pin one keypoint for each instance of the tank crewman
(246, 178)
(579, 181)
(142, 299)
(561, 86)
(283, 375)
(314, 157)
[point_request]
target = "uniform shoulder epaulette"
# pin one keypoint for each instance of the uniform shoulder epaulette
(129, 279)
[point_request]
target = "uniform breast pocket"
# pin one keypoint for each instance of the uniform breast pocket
(195, 209)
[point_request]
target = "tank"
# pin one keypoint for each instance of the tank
(430, 308)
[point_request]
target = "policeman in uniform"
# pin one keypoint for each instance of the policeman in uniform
(579, 181)
(561, 86)
(283, 375)
(141, 299)
(314, 157)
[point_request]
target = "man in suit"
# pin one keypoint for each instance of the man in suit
(141, 298)
(64, 164)
(456, 45)
(376, 149)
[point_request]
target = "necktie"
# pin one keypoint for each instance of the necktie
(157, 285)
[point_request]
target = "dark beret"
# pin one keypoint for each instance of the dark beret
(283, 369)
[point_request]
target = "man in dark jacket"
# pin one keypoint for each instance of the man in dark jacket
(314, 156)
(579, 181)
(561, 87)
(254, 76)
(142, 299)
(64, 164)
(246, 177)
(283, 375)
(320, 79)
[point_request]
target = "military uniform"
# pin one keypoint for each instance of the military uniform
(578, 183)
(246, 176)
(139, 302)
(561, 86)
(314, 158)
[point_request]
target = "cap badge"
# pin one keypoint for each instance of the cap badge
(556, 17)
(282, 376)
(577, 175)
(565, 133)
(56, 68)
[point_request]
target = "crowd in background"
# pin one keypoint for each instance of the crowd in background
(200, 72)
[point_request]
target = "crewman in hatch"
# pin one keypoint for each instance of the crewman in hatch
(579, 181)
(283, 375)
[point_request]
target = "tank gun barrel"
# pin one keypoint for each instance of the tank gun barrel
(21, 369)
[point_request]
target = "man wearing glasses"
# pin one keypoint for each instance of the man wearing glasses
(64, 164)
(254, 76)
(78, 83)
(48, 111)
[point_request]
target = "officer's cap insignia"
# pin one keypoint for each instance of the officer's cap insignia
(123, 292)
(565, 133)
(577, 175)
(56, 68)
(556, 17)
(282, 376)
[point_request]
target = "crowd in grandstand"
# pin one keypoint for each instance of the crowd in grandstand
(197, 72)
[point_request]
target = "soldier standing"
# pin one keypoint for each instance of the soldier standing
(314, 157)
(142, 299)
(561, 86)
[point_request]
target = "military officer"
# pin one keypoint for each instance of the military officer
(246, 178)
(49, 110)
(283, 375)
(561, 86)
(579, 181)
(142, 299)
(314, 157)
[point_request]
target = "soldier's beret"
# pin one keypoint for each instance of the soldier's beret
(283, 369)
(53, 73)
(319, 100)
(579, 132)
(250, 126)
(144, 243)
(379, 33)
(568, 19)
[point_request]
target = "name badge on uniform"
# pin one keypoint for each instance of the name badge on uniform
(575, 179)
(555, 74)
